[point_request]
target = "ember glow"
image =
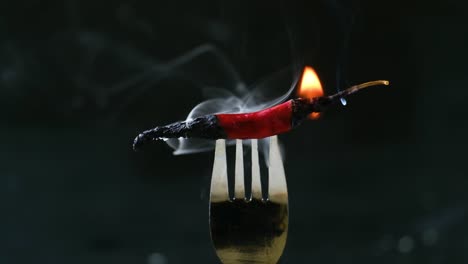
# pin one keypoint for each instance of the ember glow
(310, 87)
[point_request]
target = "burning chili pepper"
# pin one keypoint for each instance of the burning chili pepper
(268, 122)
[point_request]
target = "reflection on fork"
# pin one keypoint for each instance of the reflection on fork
(248, 229)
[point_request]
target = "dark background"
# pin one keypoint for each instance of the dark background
(383, 180)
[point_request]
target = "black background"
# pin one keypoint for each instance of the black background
(383, 180)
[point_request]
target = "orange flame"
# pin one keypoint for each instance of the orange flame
(310, 87)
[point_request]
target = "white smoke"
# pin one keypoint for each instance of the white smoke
(238, 99)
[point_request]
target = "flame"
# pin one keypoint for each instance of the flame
(310, 87)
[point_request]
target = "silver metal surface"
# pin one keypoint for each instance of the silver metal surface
(248, 229)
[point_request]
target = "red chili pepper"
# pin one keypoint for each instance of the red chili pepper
(260, 124)
(268, 122)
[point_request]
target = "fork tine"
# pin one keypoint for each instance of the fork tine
(277, 188)
(219, 182)
(239, 191)
(256, 183)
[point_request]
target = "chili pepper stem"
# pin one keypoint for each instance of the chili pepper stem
(356, 88)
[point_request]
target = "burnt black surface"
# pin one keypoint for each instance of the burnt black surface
(206, 127)
(301, 108)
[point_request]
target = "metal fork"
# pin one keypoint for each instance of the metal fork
(248, 229)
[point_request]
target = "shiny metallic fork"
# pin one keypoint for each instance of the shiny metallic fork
(248, 229)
